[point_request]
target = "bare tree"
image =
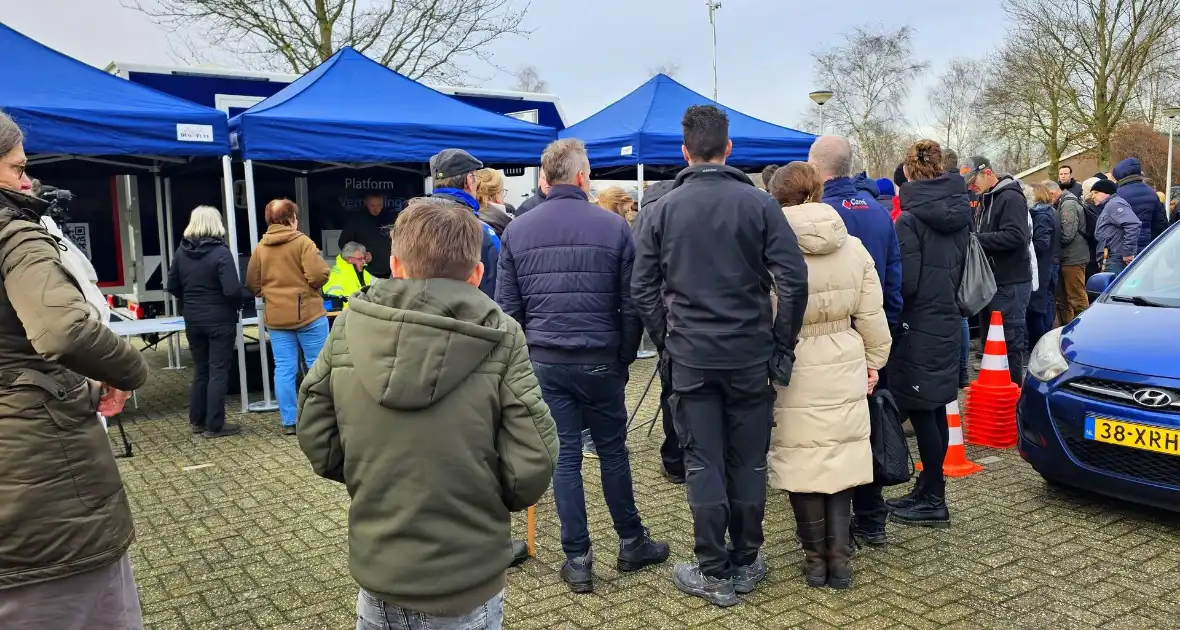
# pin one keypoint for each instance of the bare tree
(1141, 140)
(952, 99)
(871, 72)
(670, 68)
(418, 38)
(528, 79)
(1108, 45)
(1025, 109)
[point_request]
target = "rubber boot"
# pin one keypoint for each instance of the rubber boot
(838, 521)
(812, 531)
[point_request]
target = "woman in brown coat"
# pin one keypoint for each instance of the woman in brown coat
(287, 272)
(820, 449)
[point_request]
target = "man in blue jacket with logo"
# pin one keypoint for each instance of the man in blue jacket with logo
(453, 171)
(867, 220)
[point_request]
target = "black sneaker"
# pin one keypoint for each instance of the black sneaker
(579, 573)
(870, 528)
(196, 429)
(673, 477)
(927, 511)
(288, 429)
(688, 578)
(227, 429)
(636, 553)
(747, 577)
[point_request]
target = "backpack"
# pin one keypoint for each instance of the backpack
(977, 285)
(892, 463)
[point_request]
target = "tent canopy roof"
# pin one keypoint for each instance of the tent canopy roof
(352, 109)
(643, 127)
(67, 107)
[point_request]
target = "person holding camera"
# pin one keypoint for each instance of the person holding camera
(63, 510)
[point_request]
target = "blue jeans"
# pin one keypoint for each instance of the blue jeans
(287, 344)
(1115, 265)
(374, 614)
(589, 396)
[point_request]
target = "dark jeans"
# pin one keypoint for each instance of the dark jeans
(964, 370)
(590, 397)
(212, 349)
(671, 454)
(723, 418)
(933, 436)
(1040, 316)
(1011, 300)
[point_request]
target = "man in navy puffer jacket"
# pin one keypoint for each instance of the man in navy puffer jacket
(1146, 204)
(565, 275)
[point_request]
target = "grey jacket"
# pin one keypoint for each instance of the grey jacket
(1117, 229)
(1075, 250)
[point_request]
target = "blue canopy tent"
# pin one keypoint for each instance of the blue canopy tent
(643, 129)
(69, 110)
(352, 112)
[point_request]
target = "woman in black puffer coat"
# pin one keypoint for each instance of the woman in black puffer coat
(933, 231)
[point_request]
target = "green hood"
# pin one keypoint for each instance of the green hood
(451, 329)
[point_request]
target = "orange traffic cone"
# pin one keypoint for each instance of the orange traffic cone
(956, 463)
(991, 399)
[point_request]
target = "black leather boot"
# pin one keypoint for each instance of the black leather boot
(928, 511)
(910, 497)
(812, 532)
(837, 518)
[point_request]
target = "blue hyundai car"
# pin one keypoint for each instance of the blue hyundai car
(1100, 406)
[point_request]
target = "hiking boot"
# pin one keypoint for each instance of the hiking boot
(579, 573)
(747, 577)
(837, 508)
(641, 551)
(520, 553)
(226, 430)
(929, 510)
(688, 578)
(288, 429)
(811, 531)
(673, 477)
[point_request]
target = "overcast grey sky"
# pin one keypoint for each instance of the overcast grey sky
(593, 52)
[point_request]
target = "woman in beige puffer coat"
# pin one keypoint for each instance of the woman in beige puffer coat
(820, 447)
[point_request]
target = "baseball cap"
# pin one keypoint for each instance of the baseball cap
(452, 162)
(974, 165)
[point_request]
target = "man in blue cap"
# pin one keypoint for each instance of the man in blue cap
(453, 171)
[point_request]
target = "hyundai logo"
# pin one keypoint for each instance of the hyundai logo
(1154, 398)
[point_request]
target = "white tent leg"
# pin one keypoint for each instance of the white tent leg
(173, 344)
(231, 227)
(266, 404)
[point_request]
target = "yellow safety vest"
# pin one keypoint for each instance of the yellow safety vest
(342, 282)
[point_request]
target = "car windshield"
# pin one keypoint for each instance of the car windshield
(1154, 277)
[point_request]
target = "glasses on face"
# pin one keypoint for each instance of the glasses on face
(18, 169)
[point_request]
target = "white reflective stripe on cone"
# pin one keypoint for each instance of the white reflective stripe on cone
(952, 408)
(994, 362)
(956, 436)
(995, 333)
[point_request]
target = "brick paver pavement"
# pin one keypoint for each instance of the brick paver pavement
(238, 533)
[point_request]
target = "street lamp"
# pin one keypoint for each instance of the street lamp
(713, 6)
(1171, 113)
(820, 97)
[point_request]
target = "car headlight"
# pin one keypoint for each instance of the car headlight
(1047, 362)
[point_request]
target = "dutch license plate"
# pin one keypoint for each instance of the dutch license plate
(1132, 435)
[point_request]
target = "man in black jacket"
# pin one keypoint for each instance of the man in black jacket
(1004, 234)
(706, 259)
(537, 198)
(1065, 180)
(370, 228)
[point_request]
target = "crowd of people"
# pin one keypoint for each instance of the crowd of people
(482, 350)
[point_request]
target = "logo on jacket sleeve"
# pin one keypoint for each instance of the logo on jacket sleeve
(855, 204)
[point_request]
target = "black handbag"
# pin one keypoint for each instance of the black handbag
(892, 462)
